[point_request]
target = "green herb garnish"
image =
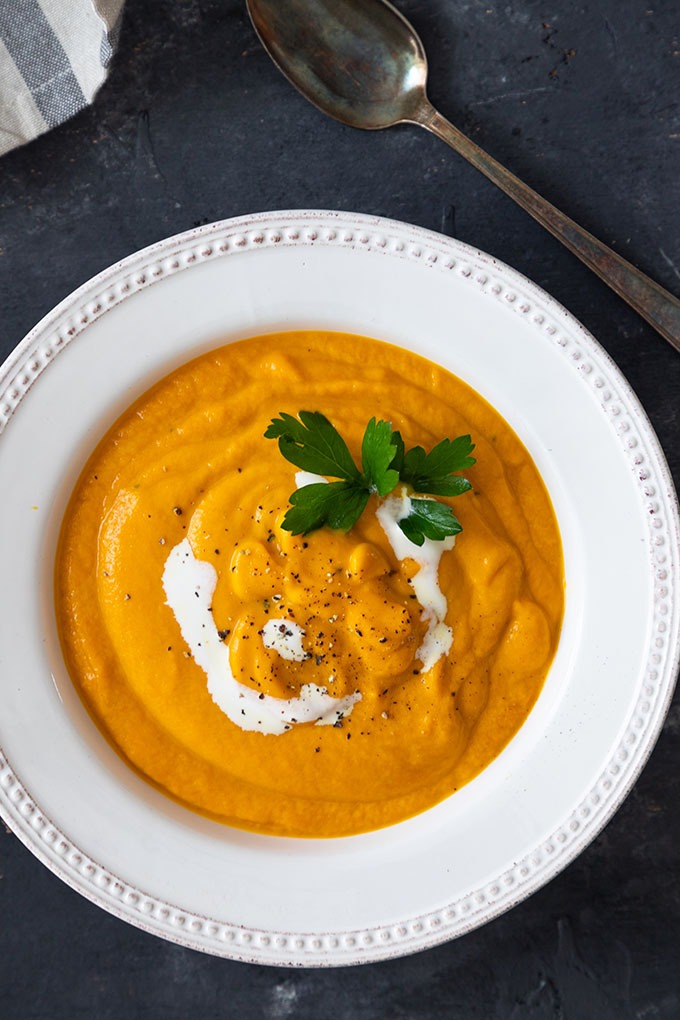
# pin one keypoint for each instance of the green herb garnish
(312, 443)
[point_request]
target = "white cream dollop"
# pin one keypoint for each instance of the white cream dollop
(438, 638)
(285, 637)
(189, 585)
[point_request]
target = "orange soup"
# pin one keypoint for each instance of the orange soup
(313, 685)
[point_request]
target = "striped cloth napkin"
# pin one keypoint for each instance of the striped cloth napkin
(54, 55)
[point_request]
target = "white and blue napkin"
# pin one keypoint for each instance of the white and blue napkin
(54, 55)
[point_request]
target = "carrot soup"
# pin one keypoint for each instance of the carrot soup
(316, 684)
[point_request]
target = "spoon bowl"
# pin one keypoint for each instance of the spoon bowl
(361, 62)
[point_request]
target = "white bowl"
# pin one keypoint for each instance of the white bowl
(269, 900)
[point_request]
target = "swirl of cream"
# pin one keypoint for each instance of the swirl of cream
(189, 585)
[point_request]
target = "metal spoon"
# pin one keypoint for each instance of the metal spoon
(361, 62)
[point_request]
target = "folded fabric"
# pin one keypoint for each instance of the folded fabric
(54, 55)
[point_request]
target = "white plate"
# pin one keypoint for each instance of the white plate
(126, 847)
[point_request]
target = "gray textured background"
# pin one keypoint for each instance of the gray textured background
(195, 124)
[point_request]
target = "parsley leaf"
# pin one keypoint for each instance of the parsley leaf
(432, 472)
(398, 460)
(429, 518)
(377, 454)
(337, 504)
(312, 443)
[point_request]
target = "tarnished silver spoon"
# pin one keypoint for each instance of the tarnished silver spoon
(361, 62)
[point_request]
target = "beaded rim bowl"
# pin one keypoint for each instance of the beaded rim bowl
(321, 903)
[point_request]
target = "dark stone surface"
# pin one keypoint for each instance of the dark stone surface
(195, 124)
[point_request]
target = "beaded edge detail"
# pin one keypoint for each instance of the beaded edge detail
(218, 240)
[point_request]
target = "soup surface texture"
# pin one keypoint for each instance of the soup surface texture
(281, 683)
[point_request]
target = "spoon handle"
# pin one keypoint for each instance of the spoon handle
(660, 308)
